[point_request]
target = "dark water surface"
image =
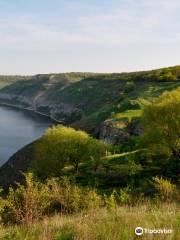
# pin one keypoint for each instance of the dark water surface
(18, 128)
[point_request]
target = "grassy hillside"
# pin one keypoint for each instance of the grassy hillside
(85, 100)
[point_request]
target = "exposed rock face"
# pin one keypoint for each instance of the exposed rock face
(22, 100)
(40, 99)
(114, 135)
(62, 111)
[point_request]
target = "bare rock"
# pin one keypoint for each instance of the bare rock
(113, 135)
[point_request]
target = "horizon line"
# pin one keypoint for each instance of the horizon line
(89, 72)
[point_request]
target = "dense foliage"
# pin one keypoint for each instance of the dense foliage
(162, 124)
(62, 146)
(161, 120)
(33, 200)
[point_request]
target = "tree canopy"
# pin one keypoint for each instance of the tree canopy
(63, 146)
(162, 124)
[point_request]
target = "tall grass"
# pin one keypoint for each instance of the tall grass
(102, 224)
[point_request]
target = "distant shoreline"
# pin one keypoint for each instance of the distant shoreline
(31, 110)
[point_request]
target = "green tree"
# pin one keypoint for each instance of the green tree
(58, 147)
(96, 149)
(161, 120)
(62, 146)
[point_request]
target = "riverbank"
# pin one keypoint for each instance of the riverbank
(31, 110)
(19, 127)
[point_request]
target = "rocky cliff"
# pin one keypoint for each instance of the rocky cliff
(36, 93)
(114, 135)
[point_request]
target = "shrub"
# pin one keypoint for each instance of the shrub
(110, 201)
(2, 205)
(118, 197)
(124, 195)
(30, 202)
(69, 198)
(27, 203)
(164, 188)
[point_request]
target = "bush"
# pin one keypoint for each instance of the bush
(110, 201)
(31, 202)
(165, 190)
(2, 205)
(69, 198)
(124, 195)
(27, 203)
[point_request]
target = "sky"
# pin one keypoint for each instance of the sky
(48, 36)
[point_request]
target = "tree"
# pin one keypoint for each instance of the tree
(96, 150)
(62, 146)
(58, 147)
(161, 119)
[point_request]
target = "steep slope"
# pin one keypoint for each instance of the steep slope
(86, 100)
(8, 80)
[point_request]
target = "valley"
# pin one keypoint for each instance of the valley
(85, 144)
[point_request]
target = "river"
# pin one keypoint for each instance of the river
(18, 128)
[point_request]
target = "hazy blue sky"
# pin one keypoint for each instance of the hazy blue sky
(40, 36)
